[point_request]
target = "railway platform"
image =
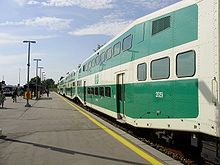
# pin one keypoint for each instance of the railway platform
(54, 131)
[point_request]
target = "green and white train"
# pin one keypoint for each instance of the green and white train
(161, 73)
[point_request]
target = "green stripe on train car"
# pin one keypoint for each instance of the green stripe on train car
(165, 99)
(154, 100)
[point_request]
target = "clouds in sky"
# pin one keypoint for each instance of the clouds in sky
(109, 25)
(6, 38)
(51, 23)
(88, 4)
(151, 4)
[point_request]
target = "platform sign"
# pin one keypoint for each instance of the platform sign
(27, 95)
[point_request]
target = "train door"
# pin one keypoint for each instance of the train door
(120, 96)
(84, 89)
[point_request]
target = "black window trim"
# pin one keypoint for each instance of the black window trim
(102, 93)
(131, 42)
(108, 93)
(102, 55)
(97, 62)
(194, 63)
(119, 42)
(106, 53)
(145, 68)
(153, 34)
(152, 70)
(96, 89)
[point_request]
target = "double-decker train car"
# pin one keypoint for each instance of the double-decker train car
(66, 85)
(161, 73)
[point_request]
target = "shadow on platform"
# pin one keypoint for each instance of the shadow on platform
(45, 98)
(67, 151)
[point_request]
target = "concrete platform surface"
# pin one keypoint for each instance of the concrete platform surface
(52, 132)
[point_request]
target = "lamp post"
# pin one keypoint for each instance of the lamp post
(37, 60)
(28, 70)
(19, 77)
(40, 72)
(43, 76)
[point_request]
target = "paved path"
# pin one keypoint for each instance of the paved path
(51, 132)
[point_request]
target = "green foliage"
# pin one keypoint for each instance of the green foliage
(33, 80)
(49, 83)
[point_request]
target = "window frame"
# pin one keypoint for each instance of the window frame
(96, 91)
(152, 69)
(145, 71)
(97, 60)
(102, 57)
(107, 92)
(102, 92)
(130, 35)
(194, 52)
(158, 19)
(88, 91)
(92, 90)
(107, 52)
(118, 43)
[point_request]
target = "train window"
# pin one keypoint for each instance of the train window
(84, 68)
(93, 62)
(89, 65)
(74, 84)
(96, 91)
(140, 32)
(127, 42)
(160, 25)
(79, 83)
(117, 49)
(92, 91)
(160, 68)
(186, 64)
(101, 91)
(102, 56)
(142, 72)
(97, 60)
(108, 91)
(88, 91)
(108, 53)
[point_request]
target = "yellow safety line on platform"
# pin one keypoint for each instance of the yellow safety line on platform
(134, 148)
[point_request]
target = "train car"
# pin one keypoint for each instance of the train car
(162, 73)
(67, 87)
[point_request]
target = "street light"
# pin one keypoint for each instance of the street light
(28, 70)
(43, 76)
(37, 59)
(40, 71)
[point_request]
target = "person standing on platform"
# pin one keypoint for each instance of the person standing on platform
(2, 99)
(48, 92)
(14, 95)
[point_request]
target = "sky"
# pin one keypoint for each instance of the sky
(66, 32)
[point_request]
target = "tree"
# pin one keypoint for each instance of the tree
(33, 80)
(49, 83)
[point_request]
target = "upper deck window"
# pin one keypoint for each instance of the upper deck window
(117, 49)
(109, 53)
(127, 42)
(97, 60)
(160, 25)
(102, 56)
